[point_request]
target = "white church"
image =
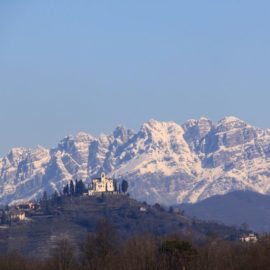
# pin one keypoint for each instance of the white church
(102, 184)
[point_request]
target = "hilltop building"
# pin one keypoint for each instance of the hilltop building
(250, 238)
(17, 215)
(27, 206)
(102, 184)
(143, 209)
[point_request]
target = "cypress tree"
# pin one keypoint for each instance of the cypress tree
(76, 187)
(124, 186)
(66, 189)
(71, 188)
(81, 187)
(114, 186)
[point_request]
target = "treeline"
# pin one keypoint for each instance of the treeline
(74, 189)
(104, 250)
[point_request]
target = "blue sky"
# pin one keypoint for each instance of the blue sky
(67, 66)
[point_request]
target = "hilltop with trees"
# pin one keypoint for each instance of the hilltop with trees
(77, 189)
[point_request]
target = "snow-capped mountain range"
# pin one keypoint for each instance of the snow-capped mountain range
(163, 162)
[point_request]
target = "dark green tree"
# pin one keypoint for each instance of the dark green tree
(66, 189)
(114, 185)
(55, 198)
(44, 203)
(71, 188)
(124, 186)
(5, 217)
(82, 187)
(45, 196)
(76, 187)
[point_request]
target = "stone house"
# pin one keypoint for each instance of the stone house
(17, 215)
(101, 185)
(250, 238)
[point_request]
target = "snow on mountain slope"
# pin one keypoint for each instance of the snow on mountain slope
(159, 147)
(163, 162)
(21, 173)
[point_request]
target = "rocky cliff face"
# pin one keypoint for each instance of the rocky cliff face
(163, 162)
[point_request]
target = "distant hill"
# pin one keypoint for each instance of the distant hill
(235, 208)
(75, 217)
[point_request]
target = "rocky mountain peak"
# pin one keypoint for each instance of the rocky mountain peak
(163, 162)
(159, 130)
(152, 124)
(230, 122)
(196, 131)
(230, 119)
(122, 133)
(83, 137)
(15, 155)
(40, 148)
